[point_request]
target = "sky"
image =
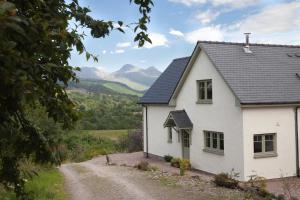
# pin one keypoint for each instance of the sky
(176, 26)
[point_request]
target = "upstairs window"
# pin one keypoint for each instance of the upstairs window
(204, 91)
(214, 142)
(264, 145)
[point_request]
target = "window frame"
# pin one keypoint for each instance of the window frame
(170, 134)
(264, 153)
(205, 100)
(210, 148)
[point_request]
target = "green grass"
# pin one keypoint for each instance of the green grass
(48, 185)
(111, 134)
(121, 89)
(84, 145)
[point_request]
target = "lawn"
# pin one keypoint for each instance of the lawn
(48, 185)
(111, 134)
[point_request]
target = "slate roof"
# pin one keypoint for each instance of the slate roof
(268, 75)
(162, 89)
(181, 119)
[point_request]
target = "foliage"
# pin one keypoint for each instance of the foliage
(132, 142)
(168, 158)
(101, 112)
(47, 185)
(81, 146)
(143, 165)
(226, 180)
(35, 45)
(175, 162)
(184, 165)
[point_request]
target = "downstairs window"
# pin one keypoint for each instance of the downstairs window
(264, 145)
(214, 142)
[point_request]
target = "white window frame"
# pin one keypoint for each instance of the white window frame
(205, 100)
(211, 149)
(264, 153)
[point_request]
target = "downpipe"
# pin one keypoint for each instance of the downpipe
(297, 141)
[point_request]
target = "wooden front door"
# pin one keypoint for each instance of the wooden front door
(185, 144)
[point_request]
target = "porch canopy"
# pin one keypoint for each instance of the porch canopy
(179, 120)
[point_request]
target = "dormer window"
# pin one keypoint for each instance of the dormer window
(204, 91)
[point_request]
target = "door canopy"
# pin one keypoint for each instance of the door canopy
(178, 119)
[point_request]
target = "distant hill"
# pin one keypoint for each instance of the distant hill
(103, 87)
(137, 78)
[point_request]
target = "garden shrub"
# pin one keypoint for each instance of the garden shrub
(184, 165)
(226, 180)
(175, 162)
(132, 142)
(143, 165)
(168, 158)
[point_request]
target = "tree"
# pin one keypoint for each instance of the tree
(35, 44)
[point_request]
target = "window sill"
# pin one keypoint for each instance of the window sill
(204, 101)
(214, 151)
(265, 155)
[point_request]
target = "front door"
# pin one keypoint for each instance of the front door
(185, 144)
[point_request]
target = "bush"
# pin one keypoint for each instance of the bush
(132, 142)
(226, 180)
(184, 165)
(168, 158)
(143, 165)
(175, 162)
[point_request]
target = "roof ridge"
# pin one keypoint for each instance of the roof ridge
(182, 58)
(251, 44)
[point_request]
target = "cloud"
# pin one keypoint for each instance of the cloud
(207, 16)
(176, 33)
(104, 52)
(123, 45)
(157, 40)
(118, 51)
(216, 3)
(189, 2)
(213, 33)
(276, 18)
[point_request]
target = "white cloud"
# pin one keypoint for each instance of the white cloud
(229, 3)
(189, 2)
(277, 18)
(213, 33)
(177, 33)
(104, 52)
(123, 45)
(157, 40)
(118, 51)
(207, 16)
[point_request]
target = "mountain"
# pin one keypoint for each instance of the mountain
(92, 73)
(136, 78)
(138, 75)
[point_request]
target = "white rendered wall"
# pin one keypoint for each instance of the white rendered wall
(222, 115)
(158, 135)
(279, 120)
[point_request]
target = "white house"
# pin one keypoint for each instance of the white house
(228, 106)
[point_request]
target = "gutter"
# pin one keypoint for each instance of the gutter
(297, 141)
(146, 120)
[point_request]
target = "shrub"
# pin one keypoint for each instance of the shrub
(168, 158)
(132, 142)
(175, 162)
(226, 180)
(184, 165)
(143, 165)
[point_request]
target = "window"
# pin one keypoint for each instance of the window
(170, 134)
(204, 91)
(264, 145)
(214, 142)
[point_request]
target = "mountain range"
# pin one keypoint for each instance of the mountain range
(129, 80)
(137, 78)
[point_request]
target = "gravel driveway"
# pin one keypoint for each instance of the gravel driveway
(93, 179)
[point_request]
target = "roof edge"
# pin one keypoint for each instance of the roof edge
(252, 44)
